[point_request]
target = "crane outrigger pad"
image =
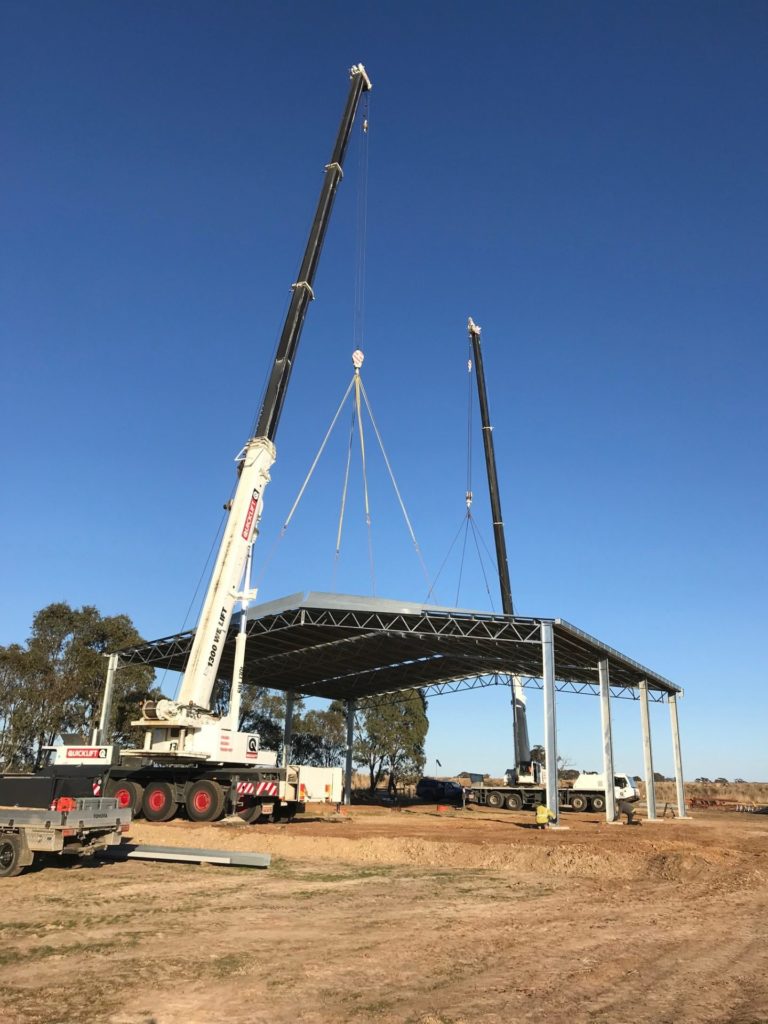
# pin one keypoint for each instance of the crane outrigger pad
(342, 647)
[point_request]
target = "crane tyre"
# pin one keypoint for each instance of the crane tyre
(598, 803)
(494, 799)
(249, 812)
(159, 802)
(12, 861)
(127, 793)
(204, 801)
(514, 802)
(579, 802)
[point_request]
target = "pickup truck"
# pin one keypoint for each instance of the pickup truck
(76, 827)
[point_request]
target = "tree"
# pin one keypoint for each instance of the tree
(537, 754)
(320, 737)
(54, 684)
(390, 737)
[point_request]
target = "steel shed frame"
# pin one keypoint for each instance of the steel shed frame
(353, 649)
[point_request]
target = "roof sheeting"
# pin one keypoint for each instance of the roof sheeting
(342, 647)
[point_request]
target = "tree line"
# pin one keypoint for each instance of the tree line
(51, 686)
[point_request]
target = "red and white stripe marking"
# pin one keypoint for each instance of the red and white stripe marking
(97, 787)
(257, 788)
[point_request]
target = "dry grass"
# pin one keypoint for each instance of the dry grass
(739, 793)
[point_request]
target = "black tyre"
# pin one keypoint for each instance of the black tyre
(514, 802)
(12, 861)
(127, 793)
(159, 802)
(579, 802)
(249, 810)
(205, 801)
(598, 803)
(494, 799)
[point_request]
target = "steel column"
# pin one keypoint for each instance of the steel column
(679, 782)
(550, 724)
(288, 727)
(99, 735)
(350, 740)
(645, 721)
(605, 717)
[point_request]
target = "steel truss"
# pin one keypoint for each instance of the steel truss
(361, 648)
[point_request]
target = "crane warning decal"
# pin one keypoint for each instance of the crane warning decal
(250, 516)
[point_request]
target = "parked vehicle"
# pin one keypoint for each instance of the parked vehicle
(525, 790)
(72, 826)
(438, 789)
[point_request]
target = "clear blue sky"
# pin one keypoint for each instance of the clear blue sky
(588, 181)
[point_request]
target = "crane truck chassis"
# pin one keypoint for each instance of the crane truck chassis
(159, 791)
(519, 793)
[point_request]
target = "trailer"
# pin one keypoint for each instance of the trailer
(72, 826)
(524, 792)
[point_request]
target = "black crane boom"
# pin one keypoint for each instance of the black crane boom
(274, 397)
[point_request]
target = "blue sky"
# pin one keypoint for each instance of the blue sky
(587, 181)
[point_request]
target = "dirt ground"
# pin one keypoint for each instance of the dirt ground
(458, 917)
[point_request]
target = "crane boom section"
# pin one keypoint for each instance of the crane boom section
(259, 454)
(203, 665)
(274, 396)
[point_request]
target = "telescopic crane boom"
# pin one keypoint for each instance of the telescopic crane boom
(520, 726)
(255, 460)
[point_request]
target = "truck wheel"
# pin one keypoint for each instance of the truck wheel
(514, 802)
(579, 803)
(11, 860)
(598, 803)
(249, 812)
(127, 793)
(159, 802)
(494, 799)
(205, 801)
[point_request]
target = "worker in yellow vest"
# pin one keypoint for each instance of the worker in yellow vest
(543, 816)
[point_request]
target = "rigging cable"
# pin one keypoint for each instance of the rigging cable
(343, 506)
(358, 360)
(394, 483)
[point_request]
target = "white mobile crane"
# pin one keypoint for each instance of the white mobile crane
(191, 756)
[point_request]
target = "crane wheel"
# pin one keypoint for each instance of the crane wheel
(127, 793)
(159, 802)
(494, 799)
(514, 802)
(598, 803)
(11, 860)
(205, 801)
(249, 812)
(579, 803)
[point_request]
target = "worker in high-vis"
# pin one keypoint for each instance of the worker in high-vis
(544, 816)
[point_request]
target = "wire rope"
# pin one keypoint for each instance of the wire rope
(394, 483)
(482, 564)
(344, 493)
(366, 501)
(445, 560)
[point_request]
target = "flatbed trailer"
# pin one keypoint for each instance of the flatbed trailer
(76, 827)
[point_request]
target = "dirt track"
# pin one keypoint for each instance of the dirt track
(414, 917)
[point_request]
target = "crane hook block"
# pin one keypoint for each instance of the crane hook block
(357, 358)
